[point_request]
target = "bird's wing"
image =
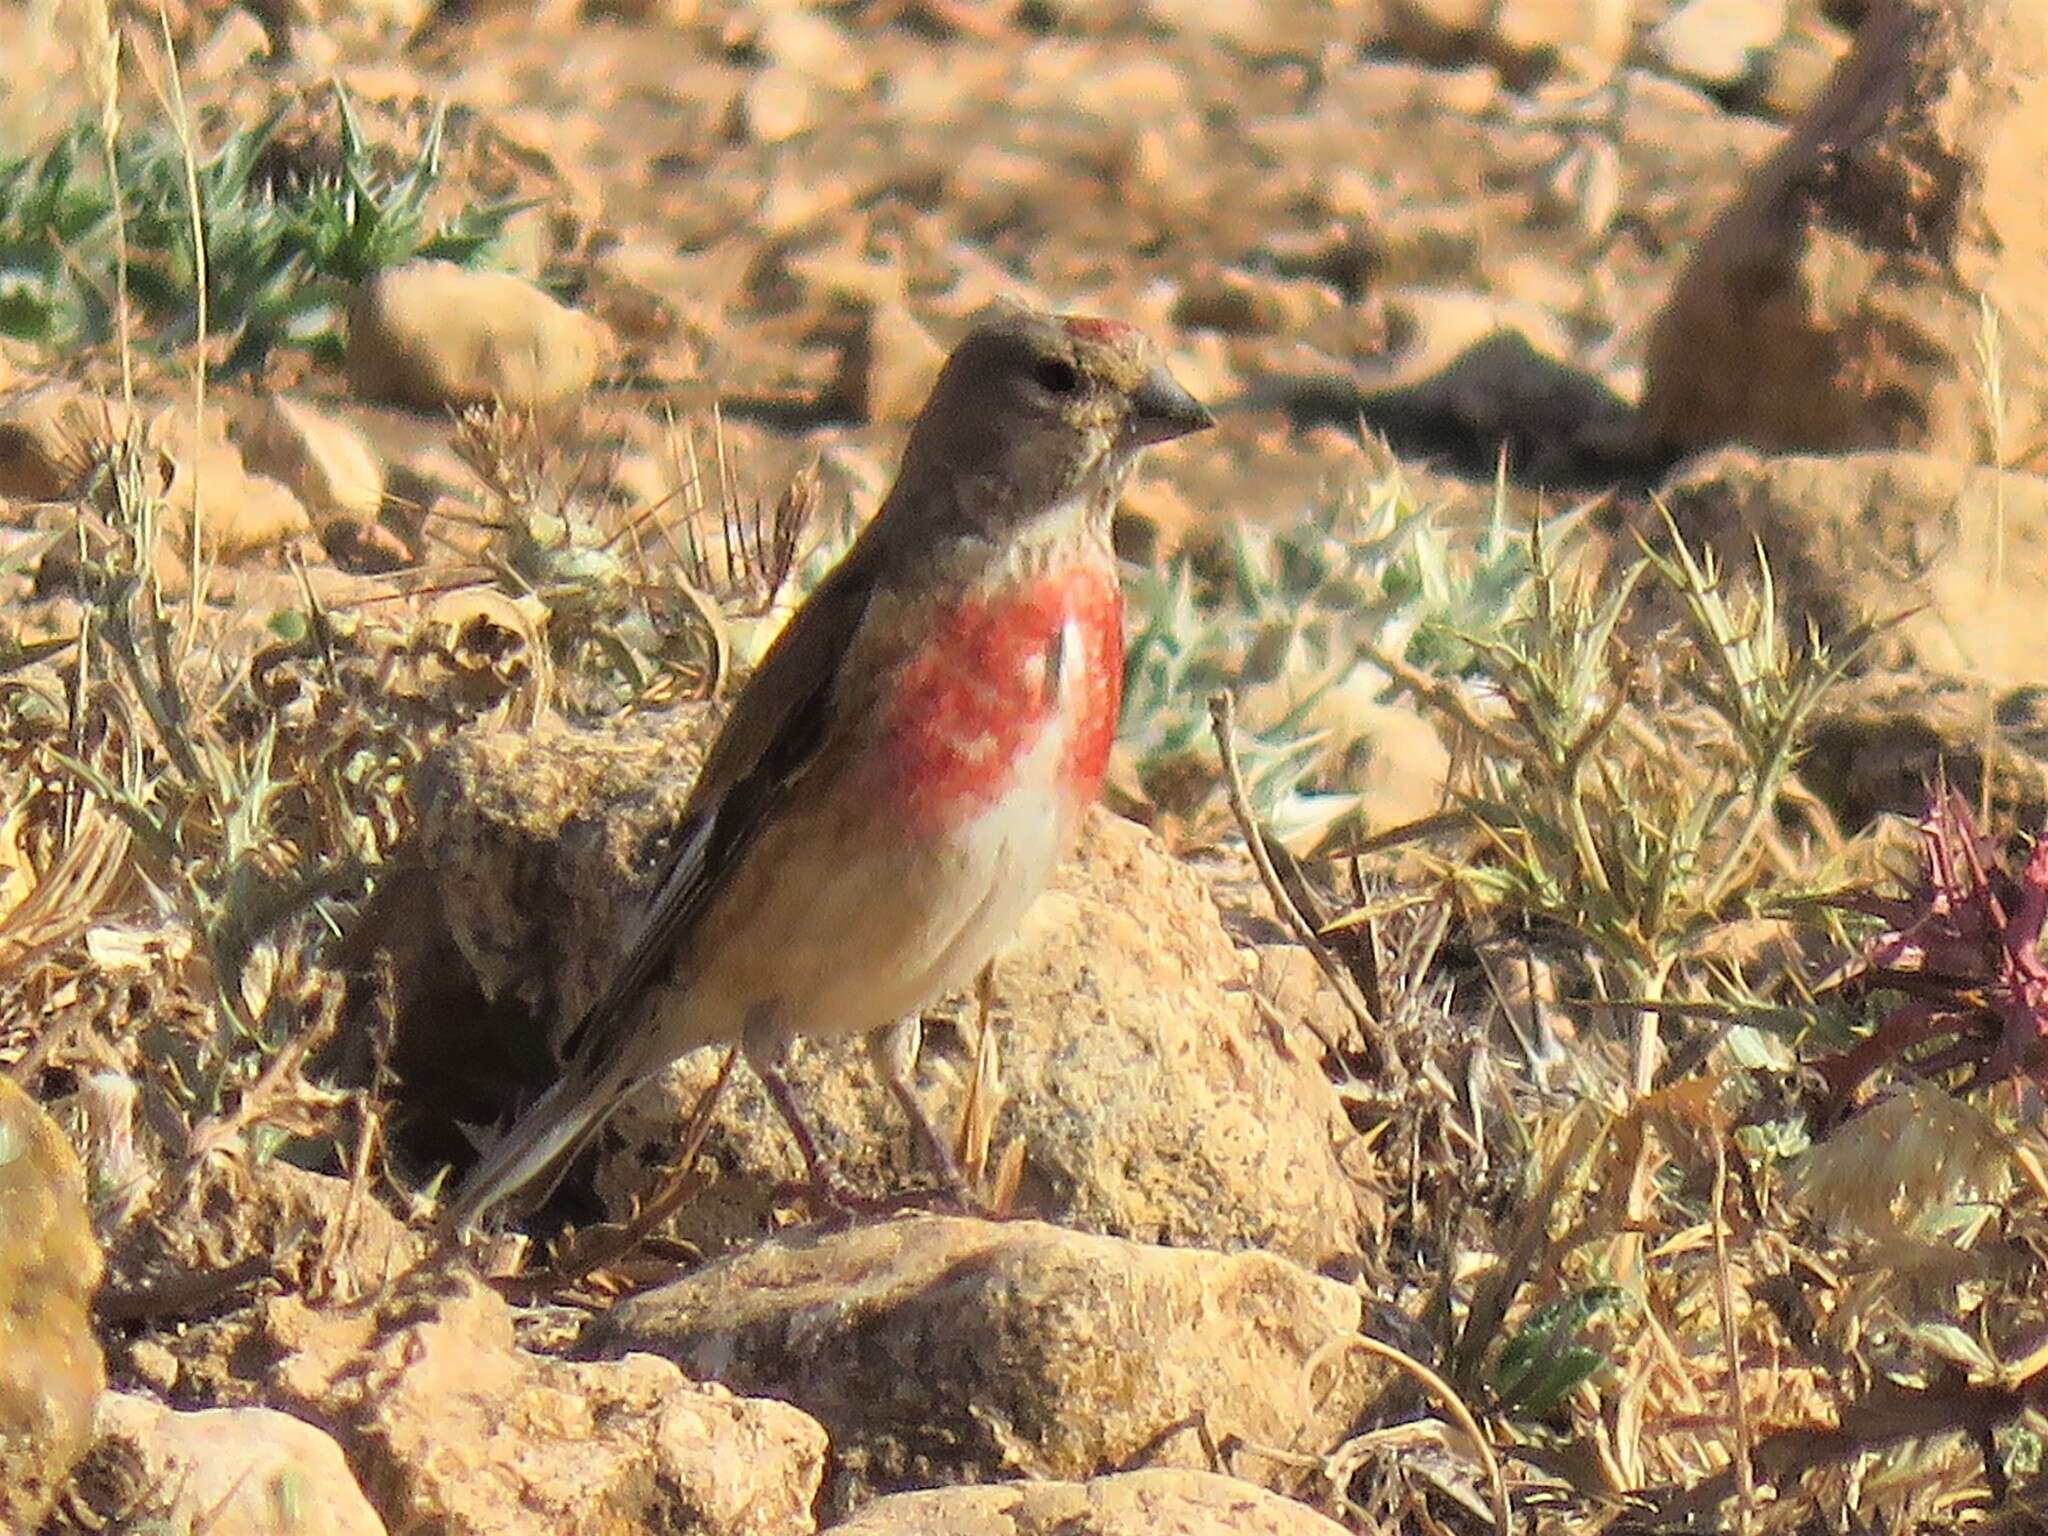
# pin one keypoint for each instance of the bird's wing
(769, 742)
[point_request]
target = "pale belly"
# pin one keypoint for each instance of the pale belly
(862, 924)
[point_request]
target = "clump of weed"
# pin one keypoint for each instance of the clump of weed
(1298, 617)
(280, 256)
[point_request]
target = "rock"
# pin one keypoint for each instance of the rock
(1130, 1067)
(233, 1224)
(533, 839)
(1797, 71)
(223, 1472)
(889, 366)
(1434, 28)
(48, 440)
(239, 42)
(1958, 554)
(434, 336)
(326, 463)
(1526, 39)
(1877, 742)
(1395, 754)
(1243, 304)
(1587, 38)
(240, 514)
(451, 1427)
(1718, 42)
(1841, 302)
(942, 1350)
(1164, 1501)
(777, 104)
(812, 44)
(51, 1374)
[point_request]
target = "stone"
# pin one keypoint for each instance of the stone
(220, 1472)
(1432, 26)
(324, 461)
(268, 1219)
(1877, 742)
(433, 336)
(452, 1427)
(776, 105)
(1526, 39)
(1161, 1501)
(889, 366)
(240, 513)
(1244, 304)
(1129, 1070)
(1396, 755)
(239, 42)
(941, 1349)
(1718, 42)
(1129, 1063)
(1844, 301)
(51, 1372)
(1798, 69)
(48, 440)
(1588, 38)
(1957, 555)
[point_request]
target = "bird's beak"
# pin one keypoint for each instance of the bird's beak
(1161, 410)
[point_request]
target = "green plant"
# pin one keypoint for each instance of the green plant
(1633, 788)
(281, 254)
(1296, 617)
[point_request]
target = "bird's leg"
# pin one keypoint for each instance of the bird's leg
(895, 1054)
(765, 1047)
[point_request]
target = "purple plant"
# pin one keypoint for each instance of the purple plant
(1964, 947)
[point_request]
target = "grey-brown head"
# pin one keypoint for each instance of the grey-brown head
(1033, 411)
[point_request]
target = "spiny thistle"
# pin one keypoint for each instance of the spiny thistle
(1964, 947)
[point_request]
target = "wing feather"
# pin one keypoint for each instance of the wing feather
(769, 742)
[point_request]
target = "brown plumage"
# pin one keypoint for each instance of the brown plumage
(899, 776)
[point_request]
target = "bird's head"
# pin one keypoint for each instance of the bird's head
(1033, 411)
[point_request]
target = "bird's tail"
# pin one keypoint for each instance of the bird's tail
(540, 1141)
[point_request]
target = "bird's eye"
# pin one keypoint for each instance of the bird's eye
(1057, 376)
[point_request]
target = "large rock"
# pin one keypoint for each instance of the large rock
(222, 1472)
(1840, 302)
(943, 1350)
(1162, 1501)
(1958, 555)
(1148, 1100)
(454, 1429)
(434, 336)
(51, 1374)
(1954, 556)
(1879, 741)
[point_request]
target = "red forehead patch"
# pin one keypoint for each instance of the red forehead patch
(1091, 328)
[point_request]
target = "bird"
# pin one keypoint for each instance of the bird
(898, 778)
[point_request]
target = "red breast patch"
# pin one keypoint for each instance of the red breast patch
(976, 698)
